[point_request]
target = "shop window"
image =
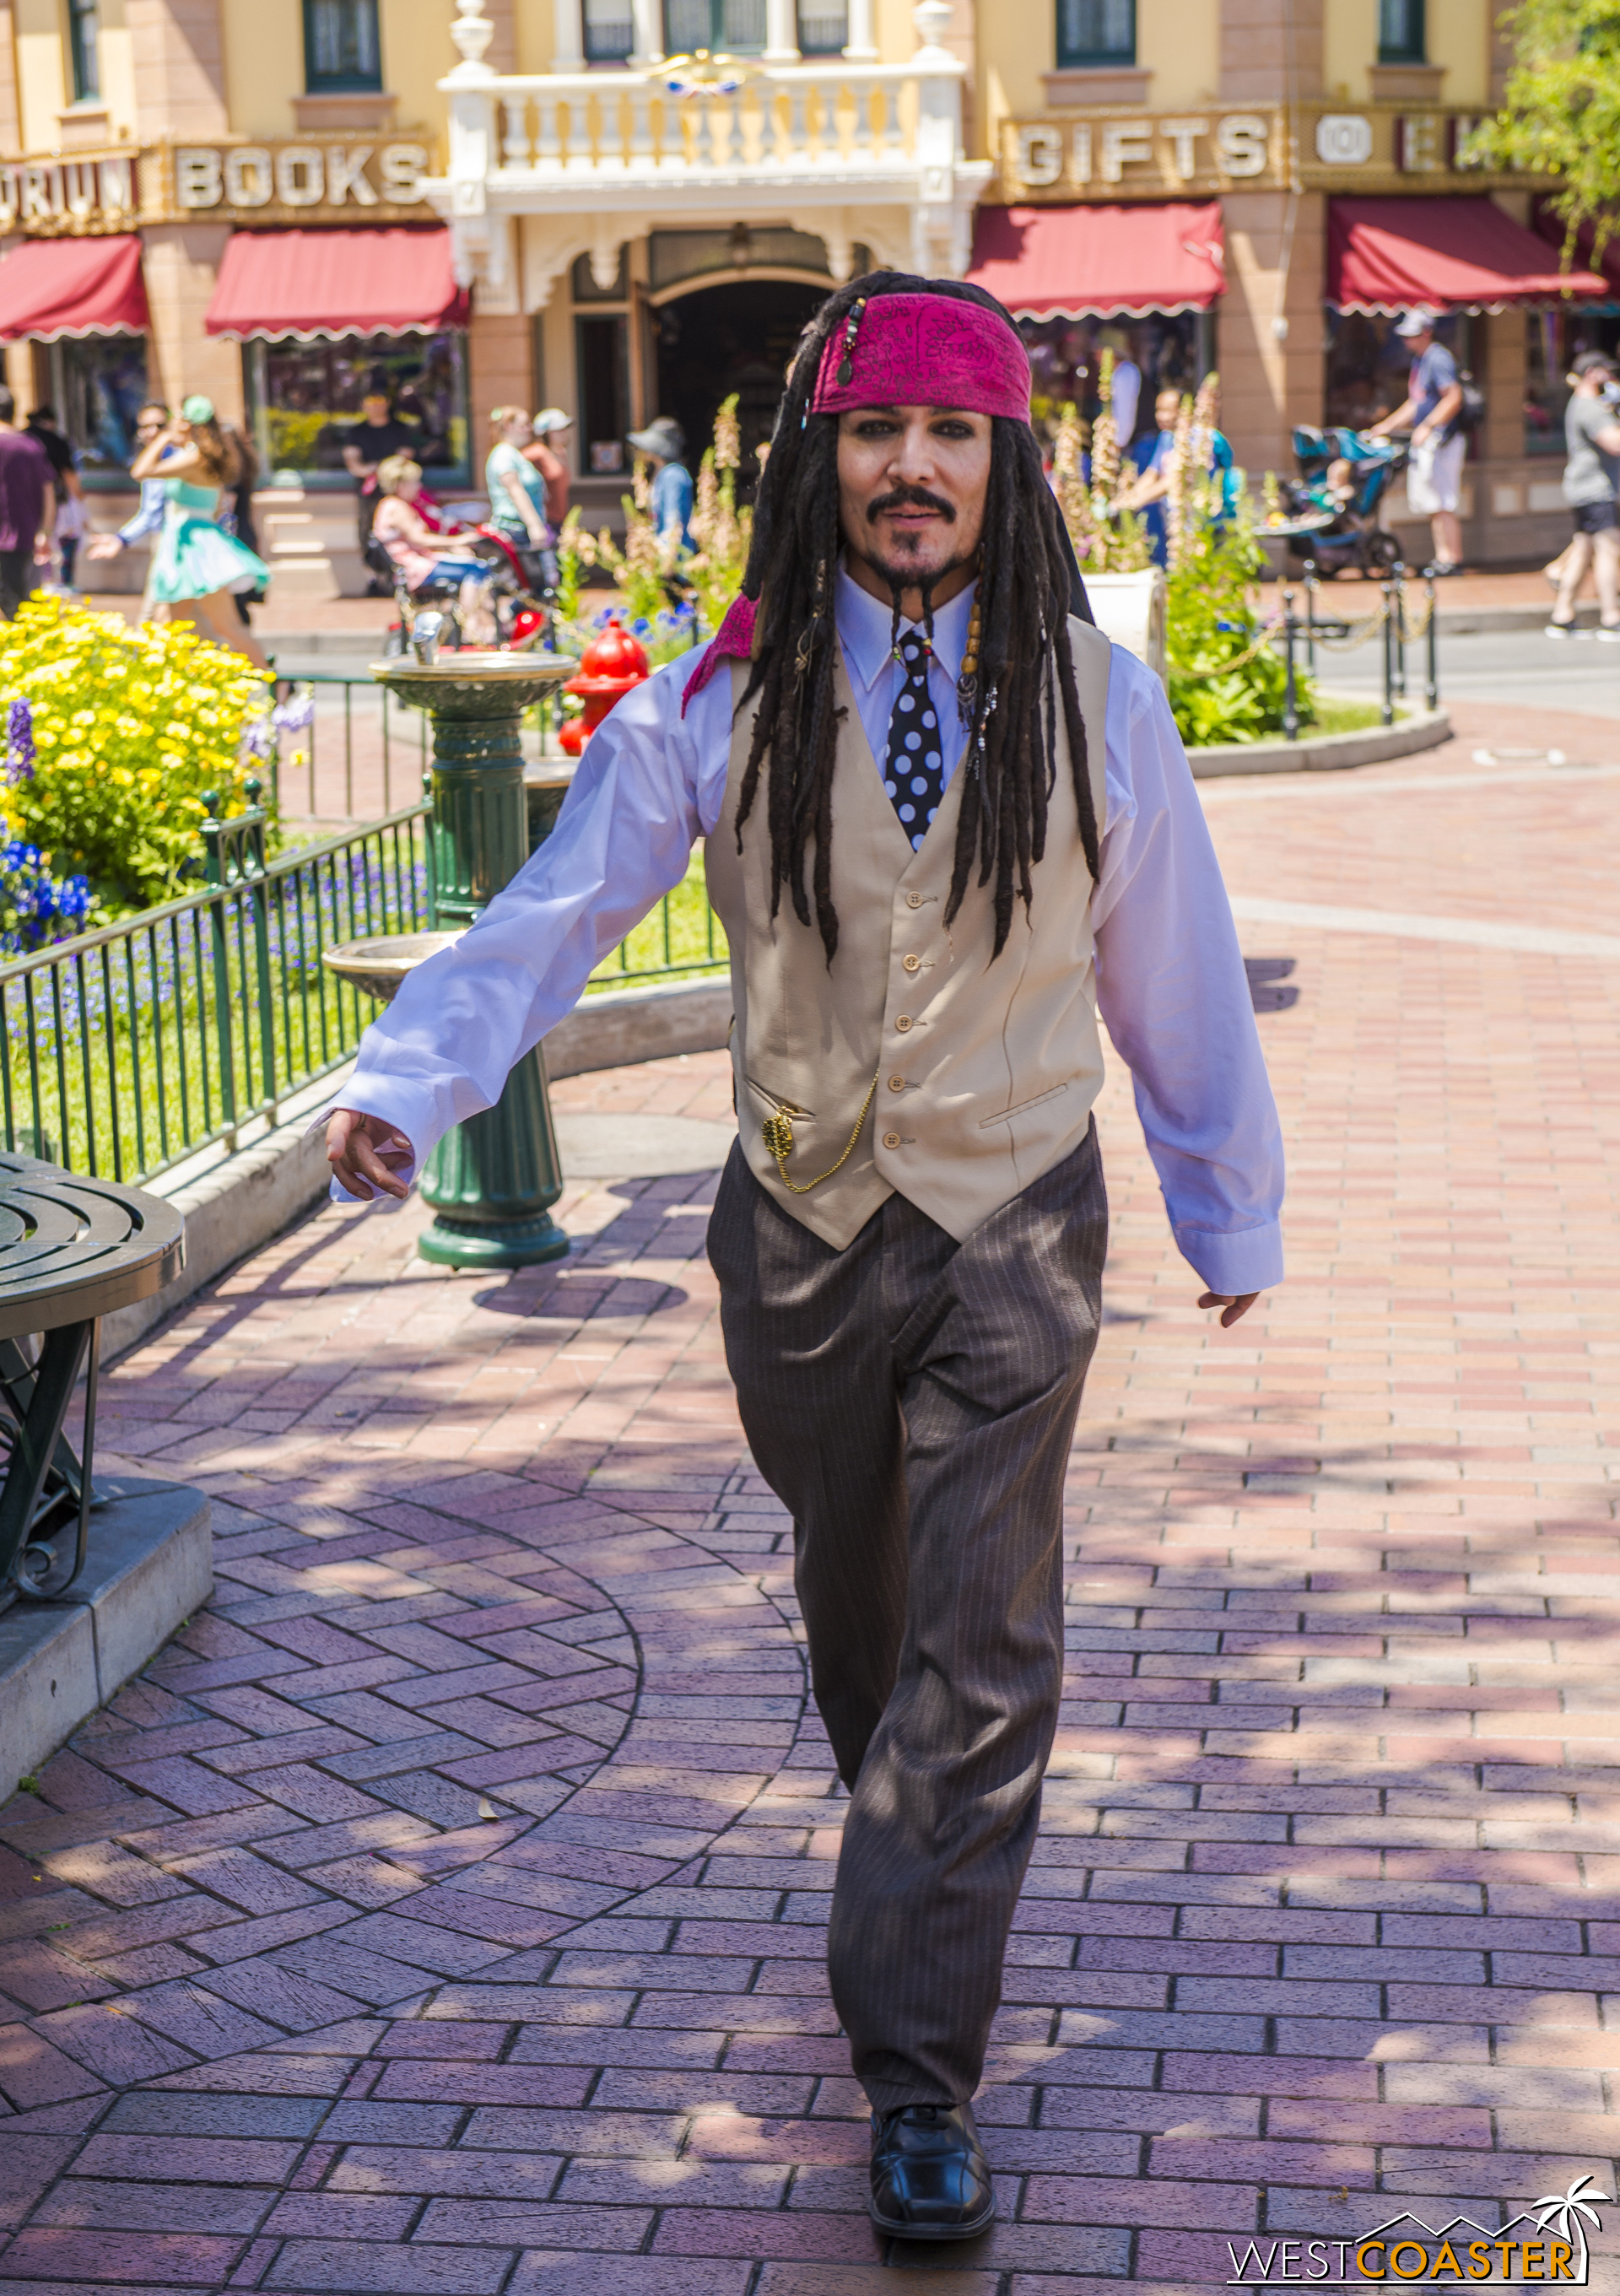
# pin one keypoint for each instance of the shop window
(724, 27)
(1368, 365)
(1403, 35)
(341, 49)
(822, 31)
(609, 31)
(98, 384)
(303, 399)
(84, 49)
(1554, 340)
(1096, 32)
(604, 408)
(1171, 351)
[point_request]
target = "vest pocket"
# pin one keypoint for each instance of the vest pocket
(1006, 1115)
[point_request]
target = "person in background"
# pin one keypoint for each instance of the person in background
(377, 434)
(1126, 395)
(664, 443)
(517, 494)
(1152, 489)
(236, 505)
(1434, 475)
(28, 509)
(1591, 438)
(72, 521)
(195, 566)
(410, 542)
(151, 419)
(548, 428)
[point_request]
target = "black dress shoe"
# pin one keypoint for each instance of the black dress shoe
(929, 2177)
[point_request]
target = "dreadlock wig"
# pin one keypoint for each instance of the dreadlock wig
(1025, 672)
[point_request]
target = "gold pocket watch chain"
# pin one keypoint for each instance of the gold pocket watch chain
(778, 1129)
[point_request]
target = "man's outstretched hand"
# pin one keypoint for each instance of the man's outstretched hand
(362, 1150)
(1232, 1304)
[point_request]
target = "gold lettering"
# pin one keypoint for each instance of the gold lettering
(1080, 153)
(1039, 160)
(1184, 133)
(1479, 2259)
(1367, 2249)
(1240, 139)
(1534, 2265)
(1445, 2262)
(402, 167)
(1126, 143)
(1558, 2253)
(1408, 2248)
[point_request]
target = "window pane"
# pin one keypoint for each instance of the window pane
(84, 30)
(604, 408)
(610, 32)
(1096, 31)
(103, 383)
(686, 27)
(742, 26)
(341, 43)
(822, 31)
(311, 393)
(1401, 32)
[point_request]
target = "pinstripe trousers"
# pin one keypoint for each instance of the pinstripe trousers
(912, 1401)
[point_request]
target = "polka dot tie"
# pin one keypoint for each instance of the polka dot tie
(913, 771)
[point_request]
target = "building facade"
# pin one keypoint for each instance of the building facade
(630, 206)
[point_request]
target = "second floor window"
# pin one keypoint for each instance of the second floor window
(609, 31)
(84, 43)
(724, 27)
(340, 46)
(1402, 32)
(1096, 32)
(824, 28)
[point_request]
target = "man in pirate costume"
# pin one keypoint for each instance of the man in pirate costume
(945, 822)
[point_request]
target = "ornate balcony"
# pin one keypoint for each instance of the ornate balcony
(846, 147)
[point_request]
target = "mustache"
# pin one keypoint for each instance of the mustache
(911, 498)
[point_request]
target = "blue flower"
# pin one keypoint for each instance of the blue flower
(20, 742)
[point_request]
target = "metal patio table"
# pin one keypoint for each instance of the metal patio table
(71, 1250)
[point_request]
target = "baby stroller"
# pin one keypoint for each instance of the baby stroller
(1333, 526)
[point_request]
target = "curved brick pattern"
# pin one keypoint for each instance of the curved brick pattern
(444, 1911)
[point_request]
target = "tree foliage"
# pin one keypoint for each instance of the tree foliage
(1560, 114)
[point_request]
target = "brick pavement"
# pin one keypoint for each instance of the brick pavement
(442, 1911)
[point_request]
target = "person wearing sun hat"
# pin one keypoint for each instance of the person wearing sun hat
(196, 566)
(947, 825)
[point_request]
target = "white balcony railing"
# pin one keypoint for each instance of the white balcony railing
(845, 146)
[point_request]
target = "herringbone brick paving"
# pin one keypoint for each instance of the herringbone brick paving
(442, 1911)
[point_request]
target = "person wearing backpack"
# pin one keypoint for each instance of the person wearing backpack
(1433, 408)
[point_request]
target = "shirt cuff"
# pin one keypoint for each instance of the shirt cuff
(1244, 1260)
(406, 1107)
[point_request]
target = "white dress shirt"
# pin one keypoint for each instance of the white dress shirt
(1171, 986)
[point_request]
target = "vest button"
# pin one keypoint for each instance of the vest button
(914, 900)
(912, 963)
(891, 1139)
(897, 1084)
(903, 1022)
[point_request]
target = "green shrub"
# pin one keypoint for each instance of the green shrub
(1226, 683)
(130, 727)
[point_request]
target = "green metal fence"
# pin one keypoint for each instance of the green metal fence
(127, 1050)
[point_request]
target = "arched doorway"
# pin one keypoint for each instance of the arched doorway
(736, 337)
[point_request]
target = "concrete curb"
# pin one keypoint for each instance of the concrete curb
(1372, 745)
(150, 1565)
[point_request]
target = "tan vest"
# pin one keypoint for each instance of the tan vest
(985, 1071)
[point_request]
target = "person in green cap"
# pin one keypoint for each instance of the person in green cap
(196, 566)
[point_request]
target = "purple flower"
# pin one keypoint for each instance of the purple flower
(20, 742)
(293, 715)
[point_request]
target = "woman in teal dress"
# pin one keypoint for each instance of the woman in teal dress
(196, 565)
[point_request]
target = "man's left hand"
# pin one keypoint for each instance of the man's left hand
(1232, 1304)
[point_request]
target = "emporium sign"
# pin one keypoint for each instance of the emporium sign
(318, 179)
(1134, 154)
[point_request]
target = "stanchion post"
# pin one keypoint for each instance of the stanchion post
(1290, 697)
(1386, 716)
(1399, 571)
(1310, 591)
(1431, 640)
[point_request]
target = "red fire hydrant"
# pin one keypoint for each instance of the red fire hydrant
(610, 665)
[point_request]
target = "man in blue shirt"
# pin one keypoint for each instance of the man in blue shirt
(1434, 475)
(663, 443)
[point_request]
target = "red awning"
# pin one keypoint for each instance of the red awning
(1085, 262)
(50, 288)
(312, 284)
(1461, 254)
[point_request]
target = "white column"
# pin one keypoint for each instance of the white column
(861, 48)
(647, 16)
(567, 36)
(781, 32)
